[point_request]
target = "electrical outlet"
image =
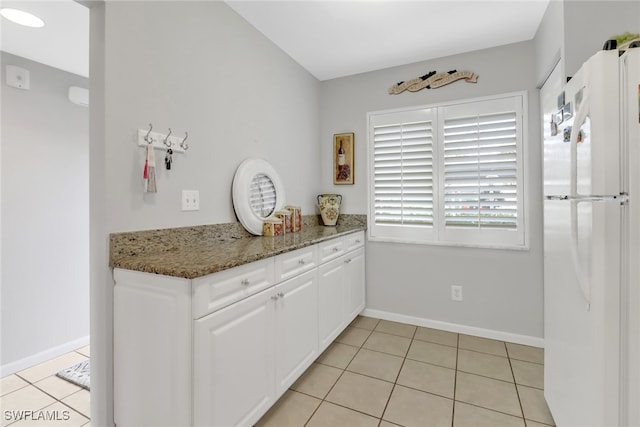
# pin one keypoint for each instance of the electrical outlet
(190, 200)
(456, 293)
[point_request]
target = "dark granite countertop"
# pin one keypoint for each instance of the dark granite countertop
(191, 252)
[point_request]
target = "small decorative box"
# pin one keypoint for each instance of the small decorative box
(272, 227)
(285, 216)
(296, 217)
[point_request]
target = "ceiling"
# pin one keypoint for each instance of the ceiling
(330, 39)
(339, 38)
(62, 43)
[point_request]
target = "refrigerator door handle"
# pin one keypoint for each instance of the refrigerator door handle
(580, 271)
(580, 118)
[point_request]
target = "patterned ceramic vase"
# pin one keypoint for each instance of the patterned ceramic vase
(329, 205)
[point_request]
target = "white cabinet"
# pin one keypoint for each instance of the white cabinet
(331, 300)
(341, 285)
(233, 356)
(152, 349)
(296, 262)
(222, 289)
(296, 328)
(330, 249)
(248, 354)
(219, 350)
(354, 282)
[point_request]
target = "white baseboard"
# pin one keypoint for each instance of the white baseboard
(454, 327)
(43, 356)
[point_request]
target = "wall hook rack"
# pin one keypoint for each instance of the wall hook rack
(162, 141)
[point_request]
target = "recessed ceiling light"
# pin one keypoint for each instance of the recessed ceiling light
(21, 17)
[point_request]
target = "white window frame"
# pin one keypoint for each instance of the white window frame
(438, 234)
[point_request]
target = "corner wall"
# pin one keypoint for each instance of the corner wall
(502, 289)
(45, 217)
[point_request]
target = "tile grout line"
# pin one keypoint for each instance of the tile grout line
(340, 376)
(515, 384)
(395, 382)
(455, 381)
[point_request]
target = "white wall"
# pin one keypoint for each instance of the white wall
(588, 24)
(195, 67)
(502, 289)
(45, 217)
(549, 40)
(574, 30)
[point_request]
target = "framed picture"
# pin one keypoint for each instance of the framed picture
(343, 158)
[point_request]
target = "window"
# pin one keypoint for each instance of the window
(449, 174)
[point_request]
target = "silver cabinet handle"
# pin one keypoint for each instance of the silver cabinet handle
(274, 297)
(335, 249)
(347, 261)
(358, 241)
(281, 295)
(301, 262)
(245, 282)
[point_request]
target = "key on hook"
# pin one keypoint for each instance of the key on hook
(168, 159)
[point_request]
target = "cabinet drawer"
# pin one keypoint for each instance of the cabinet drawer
(291, 264)
(353, 241)
(218, 290)
(330, 249)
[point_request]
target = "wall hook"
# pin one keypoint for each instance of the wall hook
(166, 139)
(184, 144)
(146, 138)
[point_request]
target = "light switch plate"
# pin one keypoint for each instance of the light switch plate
(190, 200)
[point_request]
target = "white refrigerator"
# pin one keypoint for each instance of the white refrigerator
(591, 243)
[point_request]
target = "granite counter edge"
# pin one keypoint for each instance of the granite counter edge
(154, 262)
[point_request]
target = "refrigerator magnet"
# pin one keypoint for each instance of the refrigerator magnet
(553, 126)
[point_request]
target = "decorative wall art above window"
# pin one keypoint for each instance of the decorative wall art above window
(433, 80)
(343, 158)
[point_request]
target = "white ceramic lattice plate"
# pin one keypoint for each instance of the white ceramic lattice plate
(257, 193)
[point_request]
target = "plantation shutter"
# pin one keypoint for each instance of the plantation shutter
(450, 174)
(480, 184)
(403, 173)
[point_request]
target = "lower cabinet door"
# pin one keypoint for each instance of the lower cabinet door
(355, 274)
(331, 301)
(296, 328)
(233, 363)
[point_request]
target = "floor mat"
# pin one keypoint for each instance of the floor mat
(77, 374)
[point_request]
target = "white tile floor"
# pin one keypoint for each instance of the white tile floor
(381, 373)
(377, 373)
(37, 397)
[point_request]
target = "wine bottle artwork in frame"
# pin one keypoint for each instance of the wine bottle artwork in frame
(343, 158)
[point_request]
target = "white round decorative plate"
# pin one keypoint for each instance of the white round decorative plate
(257, 193)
